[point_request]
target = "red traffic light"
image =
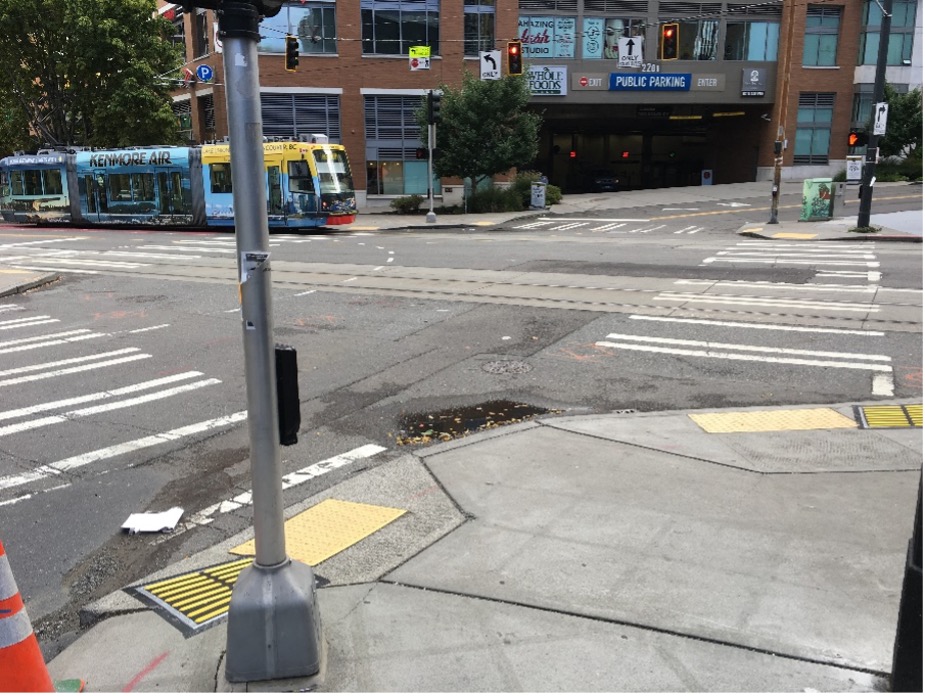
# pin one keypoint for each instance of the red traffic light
(668, 45)
(515, 65)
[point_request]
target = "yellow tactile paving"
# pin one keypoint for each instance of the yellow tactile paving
(794, 235)
(765, 421)
(195, 598)
(328, 528)
(891, 416)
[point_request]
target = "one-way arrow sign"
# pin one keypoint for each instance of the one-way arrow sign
(630, 48)
(881, 109)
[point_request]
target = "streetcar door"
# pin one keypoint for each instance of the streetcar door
(170, 188)
(275, 202)
(97, 202)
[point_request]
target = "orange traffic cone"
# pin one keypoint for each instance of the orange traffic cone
(21, 665)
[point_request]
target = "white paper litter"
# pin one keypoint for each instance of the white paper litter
(152, 521)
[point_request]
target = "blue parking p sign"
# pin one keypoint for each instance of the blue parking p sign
(204, 73)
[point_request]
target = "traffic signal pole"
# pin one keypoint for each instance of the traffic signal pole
(274, 630)
(870, 162)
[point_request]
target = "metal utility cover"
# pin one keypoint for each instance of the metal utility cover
(328, 528)
(765, 421)
(892, 416)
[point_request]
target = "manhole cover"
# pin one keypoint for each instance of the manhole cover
(507, 367)
(441, 426)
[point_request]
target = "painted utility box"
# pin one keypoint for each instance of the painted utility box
(818, 200)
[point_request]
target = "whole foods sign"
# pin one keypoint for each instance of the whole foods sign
(548, 80)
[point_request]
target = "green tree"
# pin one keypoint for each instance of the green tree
(86, 72)
(485, 128)
(904, 123)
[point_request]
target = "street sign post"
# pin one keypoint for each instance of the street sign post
(274, 627)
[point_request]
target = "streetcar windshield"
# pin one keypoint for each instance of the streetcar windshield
(333, 171)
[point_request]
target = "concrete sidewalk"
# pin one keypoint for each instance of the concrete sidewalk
(726, 550)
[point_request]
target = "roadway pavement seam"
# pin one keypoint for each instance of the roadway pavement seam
(642, 627)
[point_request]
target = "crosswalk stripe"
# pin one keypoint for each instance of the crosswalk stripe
(768, 302)
(104, 408)
(747, 325)
(97, 396)
(31, 344)
(740, 346)
(746, 357)
(69, 464)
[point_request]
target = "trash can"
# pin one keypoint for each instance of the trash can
(538, 195)
(818, 200)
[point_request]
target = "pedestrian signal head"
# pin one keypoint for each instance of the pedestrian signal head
(857, 137)
(292, 53)
(515, 58)
(668, 41)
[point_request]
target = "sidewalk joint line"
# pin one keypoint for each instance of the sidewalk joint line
(642, 627)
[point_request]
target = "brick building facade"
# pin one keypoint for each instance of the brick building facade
(746, 73)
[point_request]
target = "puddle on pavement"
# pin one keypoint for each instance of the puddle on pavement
(442, 426)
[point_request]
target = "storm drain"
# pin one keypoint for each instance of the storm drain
(889, 416)
(442, 426)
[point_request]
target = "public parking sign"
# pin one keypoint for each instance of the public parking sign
(204, 73)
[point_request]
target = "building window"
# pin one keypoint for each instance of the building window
(392, 27)
(393, 137)
(902, 27)
(179, 33)
(821, 37)
(183, 110)
(697, 38)
(478, 26)
(200, 34)
(814, 128)
(207, 116)
(313, 22)
(751, 40)
(601, 35)
(297, 116)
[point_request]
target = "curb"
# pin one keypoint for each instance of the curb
(29, 284)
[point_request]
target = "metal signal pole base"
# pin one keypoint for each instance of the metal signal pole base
(274, 631)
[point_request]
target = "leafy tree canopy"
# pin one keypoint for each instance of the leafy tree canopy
(485, 128)
(903, 124)
(85, 72)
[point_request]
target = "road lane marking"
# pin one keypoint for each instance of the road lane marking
(63, 466)
(746, 325)
(33, 343)
(296, 478)
(767, 302)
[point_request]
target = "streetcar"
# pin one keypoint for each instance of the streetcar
(306, 185)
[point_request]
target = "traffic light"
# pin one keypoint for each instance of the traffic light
(433, 106)
(515, 58)
(857, 137)
(292, 53)
(668, 46)
(420, 153)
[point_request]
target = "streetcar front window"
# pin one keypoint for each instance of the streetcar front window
(36, 182)
(333, 171)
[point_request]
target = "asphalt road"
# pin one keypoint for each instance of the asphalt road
(123, 385)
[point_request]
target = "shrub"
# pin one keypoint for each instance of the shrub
(407, 205)
(841, 176)
(495, 200)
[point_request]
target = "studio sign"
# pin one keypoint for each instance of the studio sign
(548, 80)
